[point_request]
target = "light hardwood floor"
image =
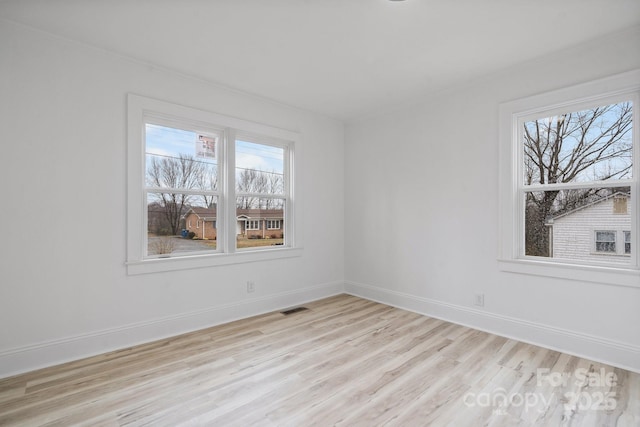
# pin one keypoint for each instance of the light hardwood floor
(345, 361)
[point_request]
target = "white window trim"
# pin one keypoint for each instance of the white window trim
(249, 224)
(624, 241)
(619, 241)
(138, 107)
(510, 257)
(594, 235)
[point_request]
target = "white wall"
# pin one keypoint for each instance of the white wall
(419, 218)
(65, 292)
(421, 215)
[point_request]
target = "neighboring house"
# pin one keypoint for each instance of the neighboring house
(250, 223)
(599, 231)
(260, 223)
(201, 221)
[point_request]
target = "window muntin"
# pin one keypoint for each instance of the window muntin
(606, 241)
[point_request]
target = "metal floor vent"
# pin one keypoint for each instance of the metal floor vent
(293, 310)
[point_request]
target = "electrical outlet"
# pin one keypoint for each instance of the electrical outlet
(251, 286)
(479, 300)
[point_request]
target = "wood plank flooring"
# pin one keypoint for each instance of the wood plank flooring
(345, 361)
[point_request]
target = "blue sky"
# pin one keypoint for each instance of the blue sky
(165, 141)
(600, 126)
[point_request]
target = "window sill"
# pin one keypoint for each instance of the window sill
(159, 265)
(614, 276)
(610, 254)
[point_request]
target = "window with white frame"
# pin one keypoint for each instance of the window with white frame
(627, 242)
(605, 241)
(187, 164)
(261, 186)
(273, 224)
(568, 168)
(251, 224)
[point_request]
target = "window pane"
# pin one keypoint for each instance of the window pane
(576, 224)
(180, 159)
(627, 242)
(259, 168)
(605, 236)
(606, 241)
(259, 222)
(180, 223)
(580, 146)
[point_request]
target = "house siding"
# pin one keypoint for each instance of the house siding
(263, 231)
(201, 221)
(206, 228)
(573, 234)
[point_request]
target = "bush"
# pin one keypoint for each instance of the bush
(162, 245)
(191, 235)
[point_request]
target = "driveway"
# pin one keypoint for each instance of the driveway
(179, 244)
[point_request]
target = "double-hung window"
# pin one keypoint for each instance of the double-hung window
(606, 241)
(202, 186)
(261, 189)
(569, 182)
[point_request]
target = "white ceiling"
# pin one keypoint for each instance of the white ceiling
(342, 58)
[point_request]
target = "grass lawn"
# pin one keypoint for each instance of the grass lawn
(249, 243)
(255, 243)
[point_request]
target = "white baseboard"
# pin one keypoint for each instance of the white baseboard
(40, 355)
(590, 347)
(27, 358)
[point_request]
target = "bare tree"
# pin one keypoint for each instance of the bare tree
(207, 179)
(589, 145)
(178, 173)
(258, 182)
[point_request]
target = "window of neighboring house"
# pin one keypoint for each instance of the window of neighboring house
(273, 224)
(252, 225)
(567, 167)
(606, 241)
(182, 159)
(627, 242)
(620, 205)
